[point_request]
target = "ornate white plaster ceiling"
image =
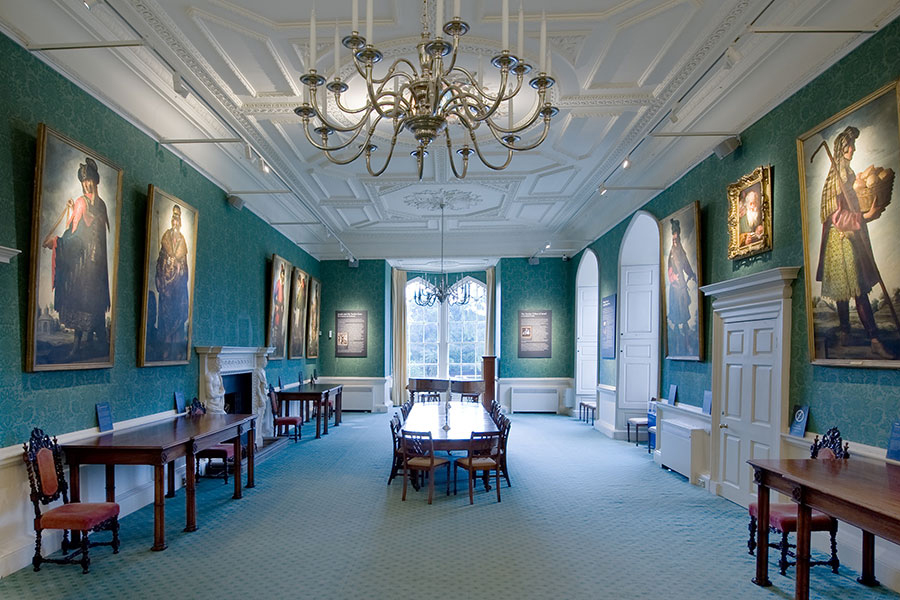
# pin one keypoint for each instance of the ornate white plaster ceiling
(621, 67)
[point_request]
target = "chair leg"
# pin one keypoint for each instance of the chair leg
(85, 559)
(448, 478)
(225, 468)
(751, 543)
(405, 479)
(783, 563)
(834, 562)
(471, 484)
(115, 535)
(430, 486)
(38, 559)
(497, 480)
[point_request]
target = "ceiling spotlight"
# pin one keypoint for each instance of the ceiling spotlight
(603, 190)
(88, 3)
(547, 246)
(178, 85)
(627, 162)
(248, 152)
(673, 114)
(732, 56)
(264, 166)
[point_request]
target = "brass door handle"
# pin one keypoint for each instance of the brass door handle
(723, 425)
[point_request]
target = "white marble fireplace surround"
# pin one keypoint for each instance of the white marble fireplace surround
(216, 361)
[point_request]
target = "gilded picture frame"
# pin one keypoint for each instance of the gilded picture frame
(299, 304)
(750, 214)
(313, 312)
(170, 252)
(847, 166)
(74, 256)
(279, 290)
(681, 281)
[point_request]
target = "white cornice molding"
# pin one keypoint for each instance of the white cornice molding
(7, 254)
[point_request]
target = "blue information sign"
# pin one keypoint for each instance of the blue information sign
(608, 327)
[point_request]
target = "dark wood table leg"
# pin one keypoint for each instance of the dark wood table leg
(110, 483)
(170, 468)
(159, 509)
(337, 408)
(804, 514)
(868, 560)
(762, 536)
(326, 405)
(319, 409)
(251, 454)
(237, 464)
(190, 491)
(75, 493)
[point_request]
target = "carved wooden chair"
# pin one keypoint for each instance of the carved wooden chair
(223, 452)
(483, 455)
(397, 465)
(427, 390)
(469, 391)
(282, 423)
(504, 424)
(43, 459)
(418, 455)
(783, 517)
(405, 408)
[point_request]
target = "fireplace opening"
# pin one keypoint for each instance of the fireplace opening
(238, 393)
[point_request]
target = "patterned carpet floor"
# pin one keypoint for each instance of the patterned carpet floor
(587, 517)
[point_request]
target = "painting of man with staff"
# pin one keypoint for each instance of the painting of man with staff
(851, 254)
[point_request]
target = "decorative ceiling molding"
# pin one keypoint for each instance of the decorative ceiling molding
(600, 100)
(432, 200)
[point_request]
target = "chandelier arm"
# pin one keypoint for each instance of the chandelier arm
(509, 155)
(323, 117)
(531, 119)
(389, 156)
(325, 148)
(453, 54)
(465, 167)
(532, 146)
(472, 82)
(462, 99)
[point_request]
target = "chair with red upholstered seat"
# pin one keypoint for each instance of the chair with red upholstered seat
(224, 452)
(43, 460)
(783, 517)
(283, 422)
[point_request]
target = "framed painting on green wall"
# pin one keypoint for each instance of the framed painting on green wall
(312, 318)
(74, 256)
(299, 300)
(750, 214)
(681, 284)
(170, 254)
(850, 251)
(276, 332)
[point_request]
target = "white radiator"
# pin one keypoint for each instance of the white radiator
(525, 399)
(358, 397)
(683, 447)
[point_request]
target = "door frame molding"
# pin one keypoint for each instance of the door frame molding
(582, 264)
(754, 297)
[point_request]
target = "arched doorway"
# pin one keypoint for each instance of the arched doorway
(638, 320)
(587, 292)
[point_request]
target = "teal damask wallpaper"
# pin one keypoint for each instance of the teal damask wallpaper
(548, 285)
(230, 288)
(366, 287)
(862, 402)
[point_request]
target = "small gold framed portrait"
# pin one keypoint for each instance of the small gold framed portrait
(750, 214)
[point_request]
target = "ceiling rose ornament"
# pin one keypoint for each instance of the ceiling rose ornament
(435, 199)
(428, 96)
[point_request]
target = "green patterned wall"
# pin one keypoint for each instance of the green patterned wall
(547, 285)
(229, 307)
(862, 402)
(361, 288)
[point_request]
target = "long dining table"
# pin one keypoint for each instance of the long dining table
(463, 418)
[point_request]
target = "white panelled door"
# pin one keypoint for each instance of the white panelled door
(750, 400)
(587, 339)
(639, 335)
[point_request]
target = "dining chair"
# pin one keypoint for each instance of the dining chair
(223, 452)
(418, 455)
(43, 460)
(783, 517)
(405, 408)
(282, 423)
(483, 455)
(496, 411)
(469, 391)
(397, 461)
(504, 425)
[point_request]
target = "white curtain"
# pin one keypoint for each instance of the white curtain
(490, 322)
(398, 310)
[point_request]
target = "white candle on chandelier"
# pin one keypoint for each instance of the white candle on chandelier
(549, 62)
(355, 16)
(312, 39)
(510, 126)
(438, 18)
(369, 22)
(505, 45)
(520, 53)
(455, 9)
(337, 49)
(543, 42)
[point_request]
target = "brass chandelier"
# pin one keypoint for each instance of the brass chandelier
(440, 292)
(427, 97)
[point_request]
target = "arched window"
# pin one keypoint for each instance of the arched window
(446, 340)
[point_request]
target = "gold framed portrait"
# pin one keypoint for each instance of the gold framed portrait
(276, 332)
(750, 214)
(847, 166)
(169, 275)
(74, 256)
(299, 293)
(312, 318)
(681, 281)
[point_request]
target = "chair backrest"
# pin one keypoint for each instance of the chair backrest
(395, 432)
(405, 408)
(417, 443)
(503, 425)
(43, 459)
(485, 444)
(831, 446)
(273, 400)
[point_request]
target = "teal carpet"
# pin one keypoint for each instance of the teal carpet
(587, 517)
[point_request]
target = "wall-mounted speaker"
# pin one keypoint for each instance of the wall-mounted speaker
(727, 146)
(236, 201)
(353, 263)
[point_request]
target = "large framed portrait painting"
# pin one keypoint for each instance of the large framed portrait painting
(74, 256)
(750, 214)
(299, 300)
(171, 251)
(276, 336)
(681, 284)
(850, 231)
(312, 318)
